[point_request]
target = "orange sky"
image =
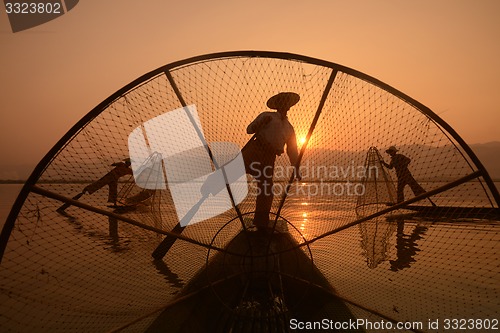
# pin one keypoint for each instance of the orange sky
(442, 53)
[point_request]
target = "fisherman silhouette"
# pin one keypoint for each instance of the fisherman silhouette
(111, 179)
(272, 132)
(400, 163)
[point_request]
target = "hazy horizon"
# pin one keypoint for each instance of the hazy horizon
(20, 172)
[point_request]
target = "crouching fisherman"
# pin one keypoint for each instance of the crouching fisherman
(111, 179)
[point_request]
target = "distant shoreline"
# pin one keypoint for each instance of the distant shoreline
(10, 181)
(14, 181)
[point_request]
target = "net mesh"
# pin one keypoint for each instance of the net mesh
(434, 258)
(377, 184)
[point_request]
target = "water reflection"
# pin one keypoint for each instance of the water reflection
(113, 229)
(406, 246)
(376, 238)
(172, 278)
(111, 240)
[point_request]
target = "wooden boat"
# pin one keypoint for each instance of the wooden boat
(456, 212)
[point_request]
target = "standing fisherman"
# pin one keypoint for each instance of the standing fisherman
(272, 131)
(400, 163)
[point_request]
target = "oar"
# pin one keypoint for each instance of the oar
(165, 245)
(66, 205)
(167, 242)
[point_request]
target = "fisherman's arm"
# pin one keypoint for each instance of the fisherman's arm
(293, 154)
(259, 122)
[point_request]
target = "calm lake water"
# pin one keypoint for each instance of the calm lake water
(408, 269)
(8, 194)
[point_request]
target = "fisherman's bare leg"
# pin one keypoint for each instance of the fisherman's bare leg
(415, 187)
(263, 202)
(113, 191)
(400, 190)
(98, 184)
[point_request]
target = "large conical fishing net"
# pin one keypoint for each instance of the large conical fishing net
(336, 247)
(377, 184)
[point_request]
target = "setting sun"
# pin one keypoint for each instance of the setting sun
(302, 140)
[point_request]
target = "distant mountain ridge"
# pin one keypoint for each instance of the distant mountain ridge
(488, 153)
